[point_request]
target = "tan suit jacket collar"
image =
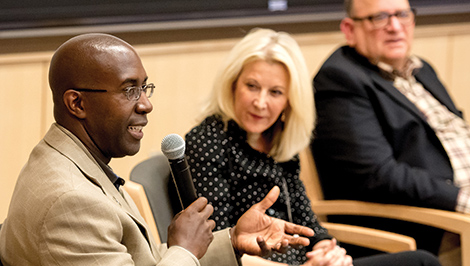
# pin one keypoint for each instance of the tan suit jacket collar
(71, 147)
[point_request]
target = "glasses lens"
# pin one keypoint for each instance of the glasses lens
(132, 93)
(379, 20)
(148, 89)
(405, 17)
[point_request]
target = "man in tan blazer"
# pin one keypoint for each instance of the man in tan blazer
(68, 207)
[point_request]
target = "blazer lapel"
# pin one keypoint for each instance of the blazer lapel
(436, 88)
(382, 84)
(125, 202)
(71, 147)
(388, 87)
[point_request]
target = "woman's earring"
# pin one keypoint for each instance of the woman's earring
(283, 116)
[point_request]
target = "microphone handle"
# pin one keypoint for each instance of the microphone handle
(183, 181)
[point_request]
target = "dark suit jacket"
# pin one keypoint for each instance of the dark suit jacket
(371, 143)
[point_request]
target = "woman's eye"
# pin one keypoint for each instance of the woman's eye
(251, 86)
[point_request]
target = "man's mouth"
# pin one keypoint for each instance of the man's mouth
(136, 131)
(394, 40)
(135, 128)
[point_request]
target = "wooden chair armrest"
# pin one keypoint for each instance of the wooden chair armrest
(371, 238)
(447, 220)
(137, 193)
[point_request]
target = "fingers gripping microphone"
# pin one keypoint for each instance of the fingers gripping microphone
(173, 146)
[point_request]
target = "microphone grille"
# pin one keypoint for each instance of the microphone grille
(173, 146)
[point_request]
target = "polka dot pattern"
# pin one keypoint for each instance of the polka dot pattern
(234, 177)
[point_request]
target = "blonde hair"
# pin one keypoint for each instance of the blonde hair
(271, 46)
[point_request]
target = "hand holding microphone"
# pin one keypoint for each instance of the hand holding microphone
(173, 147)
(193, 220)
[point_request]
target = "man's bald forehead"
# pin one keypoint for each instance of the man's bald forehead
(82, 55)
(97, 41)
(86, 46)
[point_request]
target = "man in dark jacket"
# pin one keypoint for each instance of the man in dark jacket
(387, 129)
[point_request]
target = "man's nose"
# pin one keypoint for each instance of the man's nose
(394, 23)
(144, 105)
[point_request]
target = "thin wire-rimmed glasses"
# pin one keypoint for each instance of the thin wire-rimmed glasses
(382, 19)
(133, 93)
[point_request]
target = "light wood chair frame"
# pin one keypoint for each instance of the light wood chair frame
(454, 222)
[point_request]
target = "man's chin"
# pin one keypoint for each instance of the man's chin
(398, 53)
(133, 151)
(129, 152)
(397, 60)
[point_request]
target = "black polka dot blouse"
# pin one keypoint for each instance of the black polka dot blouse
(233, 177)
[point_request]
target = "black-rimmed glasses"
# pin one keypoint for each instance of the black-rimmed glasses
(133, 93)
(380, 20)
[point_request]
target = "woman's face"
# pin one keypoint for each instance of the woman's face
(260, 95)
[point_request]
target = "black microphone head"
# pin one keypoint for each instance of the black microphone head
(173, 146)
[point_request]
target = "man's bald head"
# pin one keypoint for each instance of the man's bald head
(89, 76)
(81, 62)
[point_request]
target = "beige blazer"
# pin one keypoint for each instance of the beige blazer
(65, 211)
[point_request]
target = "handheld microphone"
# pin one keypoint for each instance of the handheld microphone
(173, 147)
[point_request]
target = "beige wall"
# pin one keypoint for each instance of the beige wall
(183, 74)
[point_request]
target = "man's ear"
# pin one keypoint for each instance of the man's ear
(73, 102)
(347, 27)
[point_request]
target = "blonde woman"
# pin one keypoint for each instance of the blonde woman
(260, 115)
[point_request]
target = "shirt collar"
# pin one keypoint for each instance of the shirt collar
(115, 179)
(412, 66)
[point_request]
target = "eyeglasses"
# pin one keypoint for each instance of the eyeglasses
(380, 20)
(133, 93)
